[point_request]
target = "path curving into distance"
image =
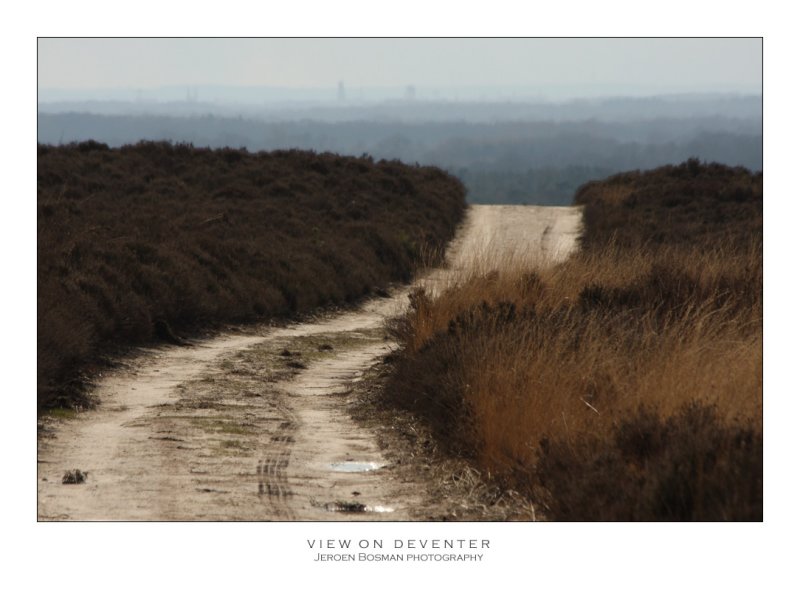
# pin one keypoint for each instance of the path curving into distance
(252, 424)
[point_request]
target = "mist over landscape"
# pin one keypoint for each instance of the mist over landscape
(504, 151)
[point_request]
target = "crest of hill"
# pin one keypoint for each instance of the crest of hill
(692, 203)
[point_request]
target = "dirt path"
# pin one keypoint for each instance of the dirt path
(253, 424)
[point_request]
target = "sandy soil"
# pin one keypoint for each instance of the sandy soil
(253, 424)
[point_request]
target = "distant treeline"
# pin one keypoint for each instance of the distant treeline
(509, 186)
(499, 162)
(151, 237)
(259, 105)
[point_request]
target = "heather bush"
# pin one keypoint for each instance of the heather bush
(197, 237)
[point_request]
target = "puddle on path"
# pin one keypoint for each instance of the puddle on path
(355, 507)
(355, 466)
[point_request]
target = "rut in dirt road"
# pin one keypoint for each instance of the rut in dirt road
(253, 424)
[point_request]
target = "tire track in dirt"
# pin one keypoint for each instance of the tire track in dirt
(273, 479)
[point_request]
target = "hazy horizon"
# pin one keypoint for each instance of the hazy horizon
(365, 70)
(516, 120)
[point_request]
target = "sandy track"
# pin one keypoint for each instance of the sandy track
(252, 424)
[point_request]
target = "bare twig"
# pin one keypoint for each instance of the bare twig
(591, 406)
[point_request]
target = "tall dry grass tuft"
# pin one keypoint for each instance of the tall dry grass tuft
(622, 384)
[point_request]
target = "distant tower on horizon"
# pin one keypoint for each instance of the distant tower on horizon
(341, 96)
(411, 93)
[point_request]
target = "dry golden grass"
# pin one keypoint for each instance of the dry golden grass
(603, 361)
(562, 367)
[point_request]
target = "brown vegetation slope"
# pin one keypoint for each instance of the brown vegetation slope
(625, 383)
(136, 242)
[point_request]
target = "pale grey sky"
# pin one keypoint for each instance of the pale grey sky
(544, 66)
